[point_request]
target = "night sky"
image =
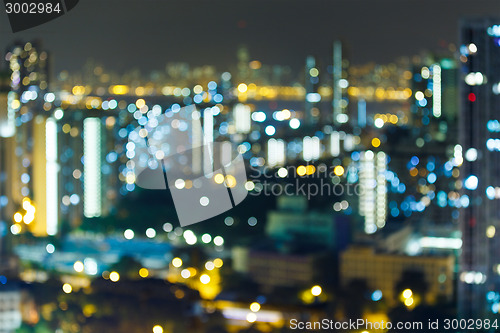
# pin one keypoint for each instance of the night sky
(148, 33)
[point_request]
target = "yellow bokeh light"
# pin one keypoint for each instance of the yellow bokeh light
(338, 170)
(242, 88)
(143, 273)
(78, 266)
(205, 279)
(18, 217)
(490, 231)
(78, 90)
(130, 179)
(376, 142)
(140, 103)
(119, 89)
(16, 229)
(310, 169)
(218, 263)
(89, 309)
(192, 271)
(26, 204)
(139, 91)
(409, 301)
(67, 288)
(316, 290)
(114, 276)
(230, 181)
(28, 218)
(301, 170)
(16, 104)
(157, 329)
(255, 307)
(198, 89)
(255, 64)
(219, 178)
(407, 293)
(177, 262)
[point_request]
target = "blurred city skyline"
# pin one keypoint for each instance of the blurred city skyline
(378, 31)
(370, 136)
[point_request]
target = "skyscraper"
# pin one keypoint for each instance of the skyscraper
(373, 198)
(339, 100)
(25, 154)
(7, 129)
(480, 147)
(312, 112)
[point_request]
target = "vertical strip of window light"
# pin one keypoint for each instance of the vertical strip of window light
(51, 171)
(92, 167)
(436, 91)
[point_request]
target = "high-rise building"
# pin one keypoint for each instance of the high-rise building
(26, 153)
(373, 197)
(480, 153)
(91, 157)
(339, 103)
(385, 272)
(293, 221)
(243, 61)
(271, 268)
(10, 309)
(7, 129)
(312, 112)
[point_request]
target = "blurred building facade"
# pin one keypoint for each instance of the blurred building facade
(293, 222)
(479, 151)
(385, 272)
(10, 309)
(25, 152)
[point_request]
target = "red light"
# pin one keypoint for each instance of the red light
(472, 97)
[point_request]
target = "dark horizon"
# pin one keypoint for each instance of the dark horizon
(374, 31)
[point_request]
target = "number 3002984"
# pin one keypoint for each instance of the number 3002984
(32, 8)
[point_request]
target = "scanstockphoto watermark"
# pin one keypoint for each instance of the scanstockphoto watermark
(309, 190)
(307, 181)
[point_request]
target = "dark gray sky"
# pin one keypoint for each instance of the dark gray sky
(148, 33)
